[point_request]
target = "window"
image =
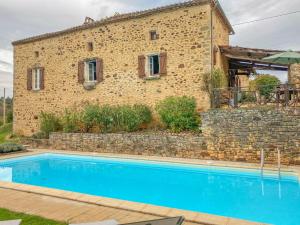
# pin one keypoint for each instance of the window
(36, 79)
(90, 46)
(36, 53)
(90, 71)
(153, 35)
(153, 61)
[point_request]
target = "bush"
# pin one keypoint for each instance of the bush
(10, 147)
(265, 84)
(90, 117)
(9, 117)
(179, 113)
(71, 121)
(49, 123)
(125, 119)
(248, 97)
(143, 112)
(116, 118)
(40, 135)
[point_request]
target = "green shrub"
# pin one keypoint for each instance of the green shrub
(127, 119)
(49, 123)
(40, 135)
(265, 84)
(71, 121)
(116, 118)
(9, 116)
(10, 147)
(248, 97)
(179, 113)
(143, 112)
(108, 119)
(90, 117)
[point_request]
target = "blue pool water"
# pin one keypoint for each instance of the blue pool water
(220, 191)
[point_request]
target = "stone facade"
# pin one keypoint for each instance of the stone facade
(239, 135)
(184, 34)
(294, 75)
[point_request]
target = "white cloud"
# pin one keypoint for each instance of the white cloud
(6, 60)
(21, 19)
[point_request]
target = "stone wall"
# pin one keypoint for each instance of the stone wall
(163, 144)
(294, 75)
(240, 134)
(229, 135)
(184, 33)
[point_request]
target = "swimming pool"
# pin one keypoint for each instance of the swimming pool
(242, 194)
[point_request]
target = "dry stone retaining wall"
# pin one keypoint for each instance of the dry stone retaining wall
(240, 134)
(131, 143)
(231, 135)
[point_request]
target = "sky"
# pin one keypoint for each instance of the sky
(20, 19)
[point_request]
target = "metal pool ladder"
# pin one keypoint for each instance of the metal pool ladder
(262, 162)
(279, 162)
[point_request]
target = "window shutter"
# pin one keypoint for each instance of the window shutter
(29, 79)
(163, 63)
(81, 72)
(99, 70)
(42, 78)
(141, 66)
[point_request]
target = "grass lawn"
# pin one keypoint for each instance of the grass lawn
(4, 131)
(26, 219)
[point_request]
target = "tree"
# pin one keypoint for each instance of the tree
(265, 84)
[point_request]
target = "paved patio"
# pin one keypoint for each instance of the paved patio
(65, 210)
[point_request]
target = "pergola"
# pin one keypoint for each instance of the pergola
(245, 61)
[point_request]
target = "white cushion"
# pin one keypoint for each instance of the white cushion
(10, 222)
(105, 222)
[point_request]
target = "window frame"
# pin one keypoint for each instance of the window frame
(90, 46)
(153, 35)
(149, 64)
(36, 79)
(87, 71)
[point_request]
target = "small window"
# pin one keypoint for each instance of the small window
(154, 66)
(90, 71)
(36, 54)
(153, 35)
(36, 79)
(90, 46)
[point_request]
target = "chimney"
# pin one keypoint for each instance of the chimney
(88, 20)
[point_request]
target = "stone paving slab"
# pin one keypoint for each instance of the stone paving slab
(72, 207)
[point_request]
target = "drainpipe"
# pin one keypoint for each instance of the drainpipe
(213, 5)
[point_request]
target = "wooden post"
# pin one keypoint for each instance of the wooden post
(4, 108)
(286, 95)
(235, 97)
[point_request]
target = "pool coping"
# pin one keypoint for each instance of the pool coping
(194, 217)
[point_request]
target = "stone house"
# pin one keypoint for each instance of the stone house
(139, 57)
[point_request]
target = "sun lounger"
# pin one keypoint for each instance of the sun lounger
(105, 222)
(10, 222)
(164, 221)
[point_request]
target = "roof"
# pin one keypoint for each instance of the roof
(251, 58)
(250, 53)
(128, 16)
